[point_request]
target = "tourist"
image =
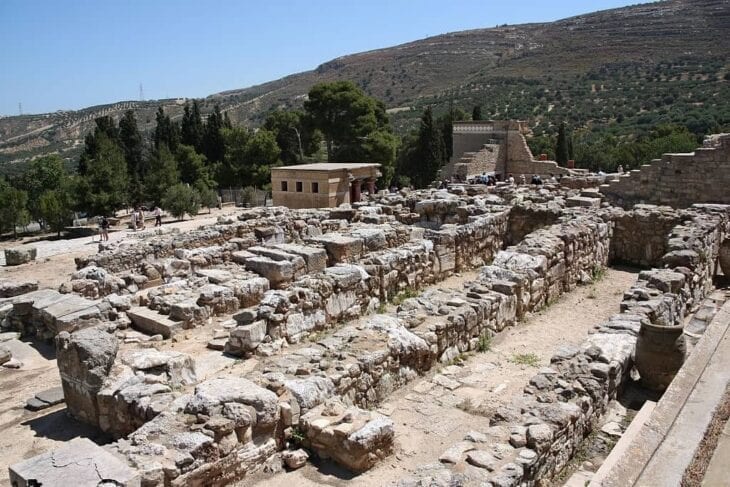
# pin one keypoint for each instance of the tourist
(158, 216)
(134, 219)
(140, 218)
(601, 173)
(620, 169)
(552, 178)
(523, 181)
(511, 179)
(104, 225)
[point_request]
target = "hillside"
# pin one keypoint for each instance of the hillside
(621, 69)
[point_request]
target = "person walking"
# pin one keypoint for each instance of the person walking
(158, 216)
(104, 229)
(134, 219)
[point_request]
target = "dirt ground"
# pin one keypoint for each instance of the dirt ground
(25, 433)
(55, 261)
(425, 413)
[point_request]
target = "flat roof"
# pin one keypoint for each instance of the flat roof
(328, 166)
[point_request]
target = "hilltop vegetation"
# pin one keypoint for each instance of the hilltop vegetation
(618, 73)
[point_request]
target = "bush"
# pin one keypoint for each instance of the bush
(181, 199)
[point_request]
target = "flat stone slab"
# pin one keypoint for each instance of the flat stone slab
(78, 462)
(51, 396)
(583, 202)
(153, 323)
(10, 288)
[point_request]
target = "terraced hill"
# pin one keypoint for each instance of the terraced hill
(623, 68)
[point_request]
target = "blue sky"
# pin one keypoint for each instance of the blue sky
(69, 54)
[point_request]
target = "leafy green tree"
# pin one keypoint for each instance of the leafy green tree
(249, 157)
(44, 174)
(344, 115)
(192, 129)
(162, 175)
(13, 208)
(294, 136)
(208, 197)
(166, 131)
(56, 208)
(476, 113)
(103, 188)
(181, 199)
(261, 154)
(193, 167)
(561, 146)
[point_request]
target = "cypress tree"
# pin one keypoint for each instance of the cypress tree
(561, 148)
(476, 113)
(429, 154)
(192, 126)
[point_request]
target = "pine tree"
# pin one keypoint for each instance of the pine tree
(104, 126)
(561, 148)
(163, 174)
(103, 188)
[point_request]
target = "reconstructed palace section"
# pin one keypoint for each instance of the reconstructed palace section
(322, 185)
(313, 347)
(495, 146)
(677, 180)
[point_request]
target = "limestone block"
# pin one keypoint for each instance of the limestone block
(10, 288)
(315, 258)
(84, 360)
(80, 462)
(340, 248)
(276, 271)
(247, 337)
(212, 395)
(19, 255)
(355, 438)
(153, 323)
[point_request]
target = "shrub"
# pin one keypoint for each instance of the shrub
(181, 199)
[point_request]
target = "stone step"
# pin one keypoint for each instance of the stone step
(153, 323)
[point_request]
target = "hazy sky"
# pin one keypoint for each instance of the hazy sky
(69, 54)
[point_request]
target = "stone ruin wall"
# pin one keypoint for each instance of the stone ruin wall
(178, 431)
(677, 180)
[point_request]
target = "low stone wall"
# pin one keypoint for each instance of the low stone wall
(118, 393)
(45, 313)
(538, 433)
(640, 235)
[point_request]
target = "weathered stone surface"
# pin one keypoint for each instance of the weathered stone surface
(354, 438)
(84, 360)
(212, 395)
(80, 462)
(19, 255)
(10, 288)
(295, 459)
(152, 322)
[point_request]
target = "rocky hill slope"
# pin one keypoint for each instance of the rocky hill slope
(662, 58)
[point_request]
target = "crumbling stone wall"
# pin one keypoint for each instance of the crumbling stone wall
(677, 180)
(640, 235)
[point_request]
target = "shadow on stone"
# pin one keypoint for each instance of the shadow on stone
(59, 426)
(330, 468)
